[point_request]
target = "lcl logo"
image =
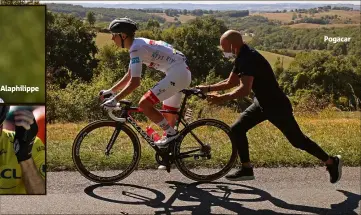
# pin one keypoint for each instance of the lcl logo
(9, 177)
(9, 174)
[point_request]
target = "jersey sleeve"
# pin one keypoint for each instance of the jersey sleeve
(135, 64)
(243, 67)
(38, 153)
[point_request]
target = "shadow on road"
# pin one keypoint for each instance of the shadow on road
(217, 194)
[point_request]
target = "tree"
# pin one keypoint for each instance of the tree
(152, 24)
(199, 41)
(294, 16)
(90, 16)
(339, 49)
(324, 75)
(185, 12)
(70, 49)
(278, 67)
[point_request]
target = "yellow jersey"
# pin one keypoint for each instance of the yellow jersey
(10, 170)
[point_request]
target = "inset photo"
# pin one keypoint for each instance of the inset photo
(22, 54)
(22, 150)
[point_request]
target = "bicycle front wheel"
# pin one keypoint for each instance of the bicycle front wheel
(205, 151)
(92, 143)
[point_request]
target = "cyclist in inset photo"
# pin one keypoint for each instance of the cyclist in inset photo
(22, 154)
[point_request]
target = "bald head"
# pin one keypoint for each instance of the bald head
(231, 41)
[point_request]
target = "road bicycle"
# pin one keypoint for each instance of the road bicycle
(202, 152)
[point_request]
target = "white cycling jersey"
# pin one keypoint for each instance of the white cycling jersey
(155, 54)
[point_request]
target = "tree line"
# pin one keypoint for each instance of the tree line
(103, 14)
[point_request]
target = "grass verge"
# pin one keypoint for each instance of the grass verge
(335, 132)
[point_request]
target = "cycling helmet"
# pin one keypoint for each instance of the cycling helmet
(123, 25)
(3, 112)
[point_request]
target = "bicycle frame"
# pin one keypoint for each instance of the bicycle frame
(126, 114)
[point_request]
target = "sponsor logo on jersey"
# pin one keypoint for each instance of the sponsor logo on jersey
(135, 60)
(170, 60)
(160, 91)
(155, 54)
(167, 45)
(153, 65)
(2, 151)
(9, 177)
(40, 148)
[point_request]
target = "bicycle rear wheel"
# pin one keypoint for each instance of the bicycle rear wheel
(89, 151)
(205, 151)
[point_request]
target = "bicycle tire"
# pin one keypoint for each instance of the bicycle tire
(204, 178)
(99, 179)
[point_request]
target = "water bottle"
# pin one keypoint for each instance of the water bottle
(152, 133)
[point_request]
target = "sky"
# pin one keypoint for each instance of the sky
(206, 2)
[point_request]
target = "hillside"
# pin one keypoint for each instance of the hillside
(181, 18)
(222, 7)
(344, 18)
(103, 14)
(311, 25)
(272, 58)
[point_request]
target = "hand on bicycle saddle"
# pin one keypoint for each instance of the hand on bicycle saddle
(109, 104)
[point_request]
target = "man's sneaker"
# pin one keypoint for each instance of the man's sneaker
(243, 174)
(162, 167)
(165, 140)
(335, 169)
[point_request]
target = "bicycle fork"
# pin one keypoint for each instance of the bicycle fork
(113, 138)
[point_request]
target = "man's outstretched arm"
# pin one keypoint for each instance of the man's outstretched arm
(230, 82)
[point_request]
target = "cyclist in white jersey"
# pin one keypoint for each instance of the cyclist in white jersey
(158, 55)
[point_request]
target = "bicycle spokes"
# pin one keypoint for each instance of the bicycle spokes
(205, 151)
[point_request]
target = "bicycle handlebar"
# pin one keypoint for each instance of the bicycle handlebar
(194, 91)
(112, 116)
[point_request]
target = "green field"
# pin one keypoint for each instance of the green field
(272, 58)
(103, 39)
(335, 132)
(22, 52)
(246, 38)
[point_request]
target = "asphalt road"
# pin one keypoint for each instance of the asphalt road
(275, 191)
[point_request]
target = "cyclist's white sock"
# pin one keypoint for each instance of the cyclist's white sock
(166, 127)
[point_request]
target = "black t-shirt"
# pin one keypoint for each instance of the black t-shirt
(267, 92)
